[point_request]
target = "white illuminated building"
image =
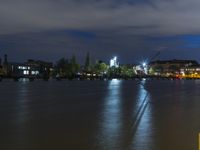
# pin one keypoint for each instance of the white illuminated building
(114, 63)
(141, 69)
(145, 68)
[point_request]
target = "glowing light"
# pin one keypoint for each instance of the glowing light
(113, 62)
(145, 67)
(25, 72)
(144, 64)
(34, 72)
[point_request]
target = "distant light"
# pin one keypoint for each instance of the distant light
(144, 64)
(25, 72)
(113, 62)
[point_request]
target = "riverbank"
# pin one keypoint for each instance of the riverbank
(147, 77)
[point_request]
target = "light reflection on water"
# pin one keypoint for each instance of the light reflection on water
(108, 115)
(142, 138)
(111, 118)
(138, 134)
(22, 109)
(22, 114)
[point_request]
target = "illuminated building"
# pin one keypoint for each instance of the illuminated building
(114, 63)
(190, 72)
(29, 69)
(169, 67)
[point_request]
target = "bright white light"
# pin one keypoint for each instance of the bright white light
(144, 67)
(115, 80)
(34, 72)
(25, 72)
(144, 64)
(113, 62)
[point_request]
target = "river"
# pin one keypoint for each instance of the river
(100, 115)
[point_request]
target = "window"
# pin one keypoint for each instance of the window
(25, 72)
(23, 67)
(34, 72)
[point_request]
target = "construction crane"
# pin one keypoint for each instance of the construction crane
(154, 56)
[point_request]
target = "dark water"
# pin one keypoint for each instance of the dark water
(99, 115)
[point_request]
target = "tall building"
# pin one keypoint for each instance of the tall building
(114, 63)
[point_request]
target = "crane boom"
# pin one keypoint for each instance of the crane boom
(154, 56)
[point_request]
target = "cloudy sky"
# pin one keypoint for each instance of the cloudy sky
(133, 30)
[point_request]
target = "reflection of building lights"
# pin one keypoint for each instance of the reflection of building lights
(115, 80)
(112, 122)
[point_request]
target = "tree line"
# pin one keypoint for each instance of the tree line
(70, 68)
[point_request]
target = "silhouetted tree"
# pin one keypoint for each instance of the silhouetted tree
(73, 67)
(62, 67)
(100, 67)
(87, 66)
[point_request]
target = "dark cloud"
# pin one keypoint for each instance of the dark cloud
(150, 17)
(131, 29)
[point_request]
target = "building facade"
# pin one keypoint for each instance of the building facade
(169, 67)
(29, 69)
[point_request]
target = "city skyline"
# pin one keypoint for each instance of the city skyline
(132, 30)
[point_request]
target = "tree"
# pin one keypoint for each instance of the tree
(127, 71)
(62, 67)
(158, 69)
(61, 63)
(100, 67)
(74, 66)
(87, 62)
(114, 72)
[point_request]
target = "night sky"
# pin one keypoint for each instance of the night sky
(133, 30)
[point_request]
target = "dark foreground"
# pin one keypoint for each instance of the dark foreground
(100, 115)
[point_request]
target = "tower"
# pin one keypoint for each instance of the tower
(114, 63)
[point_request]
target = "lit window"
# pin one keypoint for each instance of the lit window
(25, 72)
(20, 67)
(34, 72)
